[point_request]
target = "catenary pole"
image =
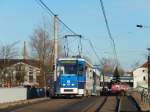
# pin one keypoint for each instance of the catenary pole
(55, 45)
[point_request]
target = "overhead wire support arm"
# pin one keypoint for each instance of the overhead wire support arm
(80, 43)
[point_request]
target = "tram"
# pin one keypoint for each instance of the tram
(76, 77)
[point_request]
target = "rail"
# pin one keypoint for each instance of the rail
(118, 103)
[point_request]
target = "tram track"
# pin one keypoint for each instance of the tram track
(128, 104)
(102, 104)
(95, 107)
(110, 104)
(118, 98)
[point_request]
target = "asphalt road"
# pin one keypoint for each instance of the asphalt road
(87, 104)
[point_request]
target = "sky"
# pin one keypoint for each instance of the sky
(19, 18)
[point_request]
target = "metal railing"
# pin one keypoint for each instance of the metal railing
(145, 96)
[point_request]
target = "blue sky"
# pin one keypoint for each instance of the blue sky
(18, 19)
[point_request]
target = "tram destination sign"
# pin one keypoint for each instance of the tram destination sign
(68, 61)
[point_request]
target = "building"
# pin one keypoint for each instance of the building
(140, 76)
(19, 72)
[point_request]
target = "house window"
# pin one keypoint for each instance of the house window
(30, 78)
(30, 73)
(144, 78)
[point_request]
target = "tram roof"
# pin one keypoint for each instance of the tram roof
(79, 59)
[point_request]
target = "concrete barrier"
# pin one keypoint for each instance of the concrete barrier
(12, 94)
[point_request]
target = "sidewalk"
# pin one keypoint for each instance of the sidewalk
(17, 103)
(144, 106)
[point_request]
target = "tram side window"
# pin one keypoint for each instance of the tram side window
(80, 69)
(62, 70)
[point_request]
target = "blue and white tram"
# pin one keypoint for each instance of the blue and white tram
(75, 76)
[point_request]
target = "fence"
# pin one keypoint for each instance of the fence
(35, 93)
(12, 94)
(17, 94)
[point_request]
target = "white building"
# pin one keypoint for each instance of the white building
(140, 76)
(19, 72)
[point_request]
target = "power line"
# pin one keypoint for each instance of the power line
(42, 4)
(50, 12)
(92, 46)
(109, 32)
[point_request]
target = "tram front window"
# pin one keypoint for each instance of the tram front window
(70, 69)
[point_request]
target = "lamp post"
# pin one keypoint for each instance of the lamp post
(148, 69)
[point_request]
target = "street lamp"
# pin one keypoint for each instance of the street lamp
(148, 69)
(139, 25)
(142, 26)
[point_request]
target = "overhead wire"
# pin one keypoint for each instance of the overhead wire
(50, 12)
(92, 47)
(46, 7)
(109, 32)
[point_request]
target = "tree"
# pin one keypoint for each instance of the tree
(135, 65)
(116, 75)
(42, 49)
(41, 45)
(7, 52)
(107, 65)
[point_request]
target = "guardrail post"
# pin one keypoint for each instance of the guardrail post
(142, 95)
(149, 99)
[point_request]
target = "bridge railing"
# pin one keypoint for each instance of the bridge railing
(145, 96)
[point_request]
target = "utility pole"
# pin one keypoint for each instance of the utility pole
(148, 70)
(55, 45)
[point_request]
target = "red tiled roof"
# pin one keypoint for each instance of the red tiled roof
(145, 65)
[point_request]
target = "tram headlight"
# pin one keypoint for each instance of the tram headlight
(72, 84)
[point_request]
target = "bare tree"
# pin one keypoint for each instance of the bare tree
(108, 66)
(42, 48)
(135, 65)
(7, 52)
(41, 44)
